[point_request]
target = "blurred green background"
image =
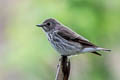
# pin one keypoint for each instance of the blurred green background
(26, 54)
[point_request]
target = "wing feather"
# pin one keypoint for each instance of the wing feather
(69, 35)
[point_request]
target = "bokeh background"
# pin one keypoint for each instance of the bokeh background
(26, 54)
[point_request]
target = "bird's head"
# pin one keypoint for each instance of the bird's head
(49, 24)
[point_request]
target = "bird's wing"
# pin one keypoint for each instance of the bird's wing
(69, 35)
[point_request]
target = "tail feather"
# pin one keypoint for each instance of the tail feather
(97, 53)
(103, 49)
(100, 49)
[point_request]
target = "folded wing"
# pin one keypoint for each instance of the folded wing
(69, 35)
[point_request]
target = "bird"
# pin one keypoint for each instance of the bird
(66, 41)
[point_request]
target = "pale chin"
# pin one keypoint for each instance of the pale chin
(45, 29)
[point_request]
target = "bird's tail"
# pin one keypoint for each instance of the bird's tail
(103, 49)
(100, 49)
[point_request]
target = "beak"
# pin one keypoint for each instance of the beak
(40, 25)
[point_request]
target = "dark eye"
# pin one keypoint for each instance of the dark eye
(48, 24)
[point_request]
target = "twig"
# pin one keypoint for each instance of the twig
(63, 69)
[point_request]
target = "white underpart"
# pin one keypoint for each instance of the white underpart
(93, 49)
(89, 50)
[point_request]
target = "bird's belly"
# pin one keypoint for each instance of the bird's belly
(66, 47)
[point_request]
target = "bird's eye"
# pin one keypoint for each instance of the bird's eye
(48, 24)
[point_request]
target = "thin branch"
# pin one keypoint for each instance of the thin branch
(63, 69)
